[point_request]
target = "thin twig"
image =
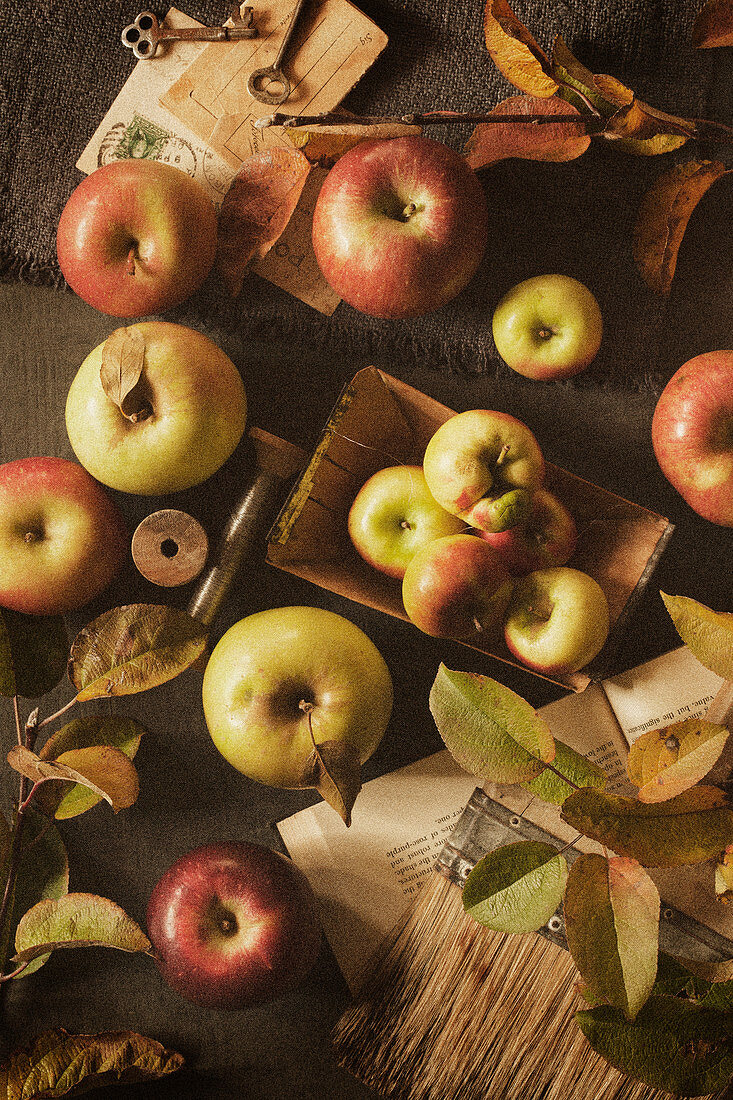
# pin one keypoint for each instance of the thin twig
(426, 118)
(53, 717)
(18, 722)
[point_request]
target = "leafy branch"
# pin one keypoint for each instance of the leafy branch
(89, 759)
(610, 902)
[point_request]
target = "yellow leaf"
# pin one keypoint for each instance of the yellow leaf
(663, 217)
(665, 762)
(515, 52)
(323, 145)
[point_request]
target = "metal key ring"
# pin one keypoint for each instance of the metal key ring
(140, 36)
(273, 76)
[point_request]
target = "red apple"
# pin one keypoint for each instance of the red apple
(136, 237)
(62, 539)
(692, 434)
(233, 925)
(400, 226)
(547, 537)
(456, 587)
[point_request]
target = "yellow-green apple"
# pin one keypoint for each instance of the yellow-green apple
(546, 537)
(692, 434)
(483, 466)
(136, 237)
(62, 539)
(233, 924)
(400, 226)
(456, 587)
(393, 515)
(298, 697)
(178, 424)
(557, 620)
(547, 327)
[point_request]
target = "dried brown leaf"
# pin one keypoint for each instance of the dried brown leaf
(256, 210)
(714, 25)
(334, 769)
(104, 770)
(663, 217)
(515, 52)
(123, 361)
(494, 141)
(323, 145)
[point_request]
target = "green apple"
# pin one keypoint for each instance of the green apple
(548, 327)
(483, 466)
(456, 587)
(293, 693)
(177, 425)
(394, 514)
(557, 620)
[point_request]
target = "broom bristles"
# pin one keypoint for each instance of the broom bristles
(453, 1011)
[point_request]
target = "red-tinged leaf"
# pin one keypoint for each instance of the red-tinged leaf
(493, 141)
(664, 762)
(256, 210)
(105, 771)
(714, 25)
(663, 217)
(515, 52)
(76, 920)
(692, 827)
(323, 145)
(612, 927)
(60, 1064)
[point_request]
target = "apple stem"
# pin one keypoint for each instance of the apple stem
(545, 333)
(502, 454)
(477, 624)
(405, 525)
(409, 210)
(131, 262)
(32, 536)
(541, 615)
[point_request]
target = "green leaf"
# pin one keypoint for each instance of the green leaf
(675, 979)
(93, 730)
(43, 873)
(707, 634)
(59, 1064)
(612, 928)
(104, 770)
(33, 653)
(665, 762)
(580, 772)
(489, 731)
(76, 920)
(673, 1044)
(516, 888)
(692, 827)
(134, 648)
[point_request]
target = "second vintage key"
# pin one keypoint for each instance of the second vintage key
(145, 33)
(271, 85)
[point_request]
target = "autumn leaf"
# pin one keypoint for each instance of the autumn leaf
(60, 1064)
(707, 634)
(516, 888)
(581, 772)
(612, 927)
(714, 25)
(692, 827)
(105, 771)
(256, 210)
(515, 52)
(663, 218)
(334, 769)
(494, 141)
(76, 920)
(123, 360)
(133, 648)
(43, 873)
(490, 731)
(323, 145)
(665, 762)
(33, 653)
(724, 876)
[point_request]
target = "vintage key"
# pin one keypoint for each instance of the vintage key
(262, 81)
(144, 35)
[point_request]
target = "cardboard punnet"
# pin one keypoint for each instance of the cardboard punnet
(379, 421)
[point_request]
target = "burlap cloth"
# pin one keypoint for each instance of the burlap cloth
(62, 64)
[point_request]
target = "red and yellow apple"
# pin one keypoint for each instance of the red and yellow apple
(400, 226)
(483, 466)
(233, 925)
(393, 515)
(136, 237)
(548, 327)
(62, 539)
(546, 537)
(187, 417)
(557, 620)
(456, 587)
(692, 434)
